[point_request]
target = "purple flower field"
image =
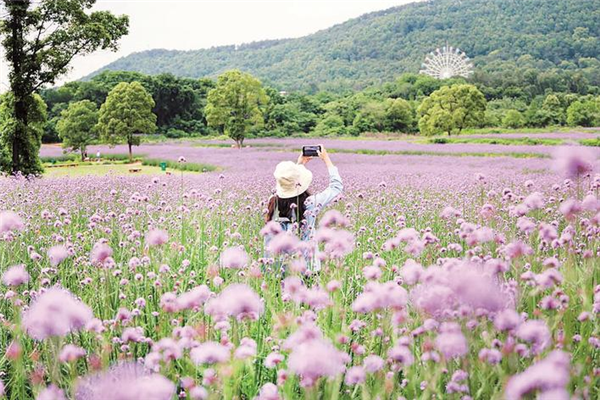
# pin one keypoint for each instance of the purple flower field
(451, 277)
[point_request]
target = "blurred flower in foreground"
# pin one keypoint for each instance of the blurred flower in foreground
(574, 161)
(550, 375)
(10, 221)
(127, 381)
(56, 312)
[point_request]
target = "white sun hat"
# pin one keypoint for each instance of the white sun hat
(292, 179)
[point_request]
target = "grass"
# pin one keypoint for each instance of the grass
(591, 142)
(75, 158)
(187, 166)
(101, 169)
(548, 129)
(525, 141)
(118, 164)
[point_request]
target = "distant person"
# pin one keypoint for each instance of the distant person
(98, 155)
(293, 207)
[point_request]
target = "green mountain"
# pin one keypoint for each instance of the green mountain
(498, 35)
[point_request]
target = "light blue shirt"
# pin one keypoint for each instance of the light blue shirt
(312, 207)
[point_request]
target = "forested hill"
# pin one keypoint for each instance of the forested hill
(499, 35)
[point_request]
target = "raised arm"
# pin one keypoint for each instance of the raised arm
(335, 181)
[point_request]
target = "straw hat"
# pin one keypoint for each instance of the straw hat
(292, 179)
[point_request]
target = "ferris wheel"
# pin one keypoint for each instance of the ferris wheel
(447, 62)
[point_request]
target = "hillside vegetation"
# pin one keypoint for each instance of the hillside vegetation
(505, 38)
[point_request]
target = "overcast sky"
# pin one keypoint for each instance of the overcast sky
(195, 24)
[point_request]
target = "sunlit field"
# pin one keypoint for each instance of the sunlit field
(443, 276)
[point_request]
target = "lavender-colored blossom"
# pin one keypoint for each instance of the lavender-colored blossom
(452, 344)
(56, 312)
(10, 221)
(355, 376)
(15, 275)
(70, 353)
(193, 299)
(549, 374)
(401, 354)
(57, 254)
(100, 253)
(51, 392)
(234, 258)
(268, 392)
(507, 320)
(210, 353)
(126, 381)
(156, 237)
(535, 332)
(574, 161)
(236, 300)
(373, 363)
(316, 358)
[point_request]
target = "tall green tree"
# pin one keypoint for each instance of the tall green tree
(126, 114)
(77, 126)
(234, 104)
(40, 40)
(513, 119)
(584, 113)
(553, 110)
(36, 118)
(398, 115)
(451, 109)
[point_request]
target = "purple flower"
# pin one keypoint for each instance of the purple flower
(236, 300)
(10, 221)
(273, 359)
(56, 312)
(70, 353)
(507, 320)
(234, 258)
(451, 342)
(547, 375)
(355, 376)
(52, 392)
(402, 355)
(268, 392)
(210, 353)
(127, 381)
(491, 356)
(193, 299)
(15, 276)
(380, 295)
(570, 208)
(373, 363)
(134, 335)
(316, 358)
(517, 249)
(338, 242)
(57, 254)
(536, 332)
(574, 161)
(100, 253)
(156, 237)
(334, 217)
(283, 243)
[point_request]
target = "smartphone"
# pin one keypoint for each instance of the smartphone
(311, 151)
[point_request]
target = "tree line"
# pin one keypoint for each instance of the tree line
(185, 107)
